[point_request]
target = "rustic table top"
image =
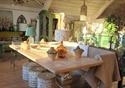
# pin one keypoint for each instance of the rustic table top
(64, 65)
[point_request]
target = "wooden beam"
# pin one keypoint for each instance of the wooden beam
(102, 9)
(39, 2)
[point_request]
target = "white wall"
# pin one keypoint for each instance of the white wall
(27, 14)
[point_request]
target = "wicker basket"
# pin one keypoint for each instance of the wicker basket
(33, 74)
(25, 70)
(46, 80)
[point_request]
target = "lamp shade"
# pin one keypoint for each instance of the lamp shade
(83, 12)
(30, 31)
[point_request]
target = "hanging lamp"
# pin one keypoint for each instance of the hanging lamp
(83, 12)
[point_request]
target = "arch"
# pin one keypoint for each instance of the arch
(21, 19)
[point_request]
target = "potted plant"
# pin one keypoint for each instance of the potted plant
(111, 26)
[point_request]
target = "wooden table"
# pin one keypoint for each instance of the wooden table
(65, 65)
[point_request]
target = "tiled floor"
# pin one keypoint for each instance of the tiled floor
(12, 78)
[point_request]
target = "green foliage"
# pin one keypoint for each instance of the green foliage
(111, 27)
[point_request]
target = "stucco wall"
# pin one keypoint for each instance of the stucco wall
(28, 13)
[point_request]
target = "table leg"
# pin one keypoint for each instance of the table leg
(64, 80)
(12, 61)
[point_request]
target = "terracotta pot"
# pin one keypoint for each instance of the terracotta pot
(61, 54)
(61, 51)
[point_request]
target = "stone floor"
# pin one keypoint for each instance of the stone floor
(11, 77)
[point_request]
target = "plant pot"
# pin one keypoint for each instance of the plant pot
(78, 52)
(78, 55)
(52, 56)
(52, 53)
(61, 55)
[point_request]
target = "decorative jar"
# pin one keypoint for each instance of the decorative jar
(78, 52)
(52, 53)
(61, 51)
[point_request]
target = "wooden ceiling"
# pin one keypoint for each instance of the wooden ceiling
(70, 7)
(27, 3)
(117, 7)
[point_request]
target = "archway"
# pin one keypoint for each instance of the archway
(21, 19)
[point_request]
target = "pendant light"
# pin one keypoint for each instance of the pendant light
(83, 12)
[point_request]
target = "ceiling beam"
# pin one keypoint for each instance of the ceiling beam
(102, 9)
(38, 2)
(21, 8)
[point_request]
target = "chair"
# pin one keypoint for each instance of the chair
(122, 70)
(1, 50)
(14, 54)
(105, 74)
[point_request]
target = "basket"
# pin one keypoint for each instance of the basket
(25, 70)
(46, 80)
(33, 74)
